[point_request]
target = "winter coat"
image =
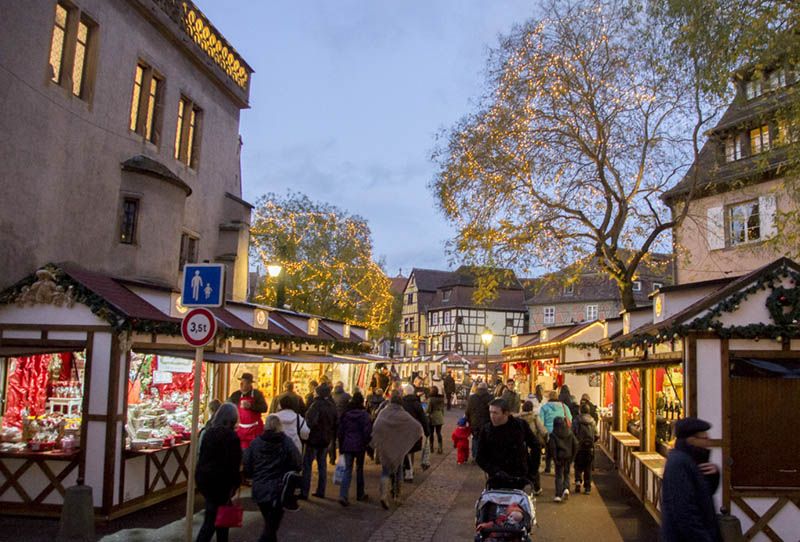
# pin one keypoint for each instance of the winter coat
(552, 410)
(394, 433)
(355, 431)
(505, 448)
(297, 403)
(585, 431)
(380, 380)
(512, 399)
(218, 465)
(291, 422)
(321, 420)
(592, 410)
(268, 458)
(340, 399)
(461, 436)
(563, 444)
(449, 385)
(373, 401)
(536, 425)
(477, 412)
(687, 507)
(413, 406)
(436, 409)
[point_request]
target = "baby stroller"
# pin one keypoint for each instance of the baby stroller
(506, 515)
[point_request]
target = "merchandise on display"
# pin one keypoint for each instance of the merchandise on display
(158, 422)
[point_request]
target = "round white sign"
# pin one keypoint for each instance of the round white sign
(199, 327)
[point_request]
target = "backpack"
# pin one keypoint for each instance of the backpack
(585, 436)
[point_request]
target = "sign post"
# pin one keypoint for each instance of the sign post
(198, 329)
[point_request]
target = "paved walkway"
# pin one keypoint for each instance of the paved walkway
(438, 506)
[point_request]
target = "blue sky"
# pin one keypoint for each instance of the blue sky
(348, 97)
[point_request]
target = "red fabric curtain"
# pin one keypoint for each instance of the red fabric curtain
(27, 388)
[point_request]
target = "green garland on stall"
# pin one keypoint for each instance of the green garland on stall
(785, 325)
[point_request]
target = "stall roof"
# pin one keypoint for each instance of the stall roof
(311, 358)
(603, 366)
(564, 333)
(211, 357)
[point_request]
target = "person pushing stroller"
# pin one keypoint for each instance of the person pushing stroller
(509, 442)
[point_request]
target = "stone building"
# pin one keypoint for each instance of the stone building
(737, 187)
(121, 142)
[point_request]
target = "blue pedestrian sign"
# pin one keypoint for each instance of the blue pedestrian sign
(203, 285)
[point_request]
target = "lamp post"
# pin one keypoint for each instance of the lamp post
(486, 339)
(276, 271)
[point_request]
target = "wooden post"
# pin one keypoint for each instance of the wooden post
(193, 443)
(648, 438)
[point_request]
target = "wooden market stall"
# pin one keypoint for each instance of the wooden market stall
(736, 344)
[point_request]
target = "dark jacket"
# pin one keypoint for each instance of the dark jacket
(321, 419)
(218, 465)
(436, 409)
(687, 507)
(381, 381)
(340, 399)
(297, 403)
(562, 442)
(505, 448)
(449, 385)
(268, 458)
(478, 410)
(413, 406)
(585, 431)
(512, 399)
(592, 410)
(373, 402)
(355, 431)
(259, 403)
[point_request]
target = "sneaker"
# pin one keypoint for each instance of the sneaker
(587, 491)
(577, 488)
(565, 495)
(538, 492)
(344, 502)
(557, 499)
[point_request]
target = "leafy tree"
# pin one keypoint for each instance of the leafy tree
(326, 255)
(587, 119)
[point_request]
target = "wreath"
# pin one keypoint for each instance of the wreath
(779, 300)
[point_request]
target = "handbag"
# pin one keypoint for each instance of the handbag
(566, 419)
(302, 440)
(338, 474)
(229, 515)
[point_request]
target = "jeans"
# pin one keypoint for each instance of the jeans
(474, 445)
(332, 451)
(207, 530)
(272, 521)
(392, 477)
(309, 456)
(344, 489)
(584, 462)
(438, 430)
(562, 476)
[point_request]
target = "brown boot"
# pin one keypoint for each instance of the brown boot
(439, 451)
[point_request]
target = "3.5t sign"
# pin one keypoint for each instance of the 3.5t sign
(199, 327)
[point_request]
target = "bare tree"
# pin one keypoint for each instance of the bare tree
(588, 119)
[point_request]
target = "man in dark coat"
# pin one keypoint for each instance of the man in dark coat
(340, 398)
(506, 443)
(687, 506)
(297, 403)
(413, 405)
(449, 384)
(322, 421)
(478, 414)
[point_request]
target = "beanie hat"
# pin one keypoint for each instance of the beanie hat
(462, 422)
(408, 389)
(690, 426)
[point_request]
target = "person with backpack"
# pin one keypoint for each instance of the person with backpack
(586, 433)
(563, 446)
(322, 421)
(535, 457)
(548, 412)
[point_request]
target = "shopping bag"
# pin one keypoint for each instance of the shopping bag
(229, 515)
(426, 454)
(338, 474)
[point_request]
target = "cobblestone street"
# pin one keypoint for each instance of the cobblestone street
(438, 506)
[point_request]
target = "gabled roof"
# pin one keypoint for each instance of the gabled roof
(398, 284)
(461, 297)
(429, 280)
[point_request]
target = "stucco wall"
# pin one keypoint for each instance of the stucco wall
(61, 156)
(696, 262)
(571, 312)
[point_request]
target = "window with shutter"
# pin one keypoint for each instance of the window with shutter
(766, 208)
(715, 228)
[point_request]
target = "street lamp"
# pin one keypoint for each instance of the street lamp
(486, 339)
(275, 271)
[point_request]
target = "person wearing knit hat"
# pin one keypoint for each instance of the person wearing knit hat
(408, 389)
(690, 480)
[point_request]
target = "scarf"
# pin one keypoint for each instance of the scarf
(395, 432)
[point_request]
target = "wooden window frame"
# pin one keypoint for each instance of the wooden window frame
(760, 140)
(187, 135)
(65, 78)
(143, 103)
(185, 256)
(729, 209)
(596, 312)
(123, 225)
(552, 318)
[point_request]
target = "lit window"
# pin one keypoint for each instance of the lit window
(549, 315)
(657, 286)
(733, 149)
(591, 312)
(189, 249)
(130, 215)
(146, 103)
(186, 132)
(64, 37)
(57, 43)
(759, 139)
(745, 225)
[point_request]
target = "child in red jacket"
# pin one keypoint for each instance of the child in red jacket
(460, 437)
